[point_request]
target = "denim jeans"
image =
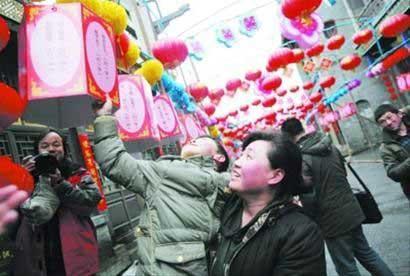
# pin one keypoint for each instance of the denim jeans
(345, 248)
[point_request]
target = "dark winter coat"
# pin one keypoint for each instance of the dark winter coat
(396, 158)
(332, 202)
(279, 241)
(56, 232)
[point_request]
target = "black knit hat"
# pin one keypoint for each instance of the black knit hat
(383, 109)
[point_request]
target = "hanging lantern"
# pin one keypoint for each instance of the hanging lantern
(308, 106)
(244, 108)
(253, 75)
(233, 113)
(321, 108)
(128, 51)
(294, 89)
(395, 25)
(256, 102)
(294, 9)
(280, 58)
(233, 85)
(395, 58)
(271, 83)
(11, 106)
(316, 97)
(315, 50)
(171, 52)
(198, 91)
(281, 92)
(350, 62)
(4, 34)
(151, 70)
(335, 42)
(298, 55)
(215, 95)
(327, 82)
(209, 109)
(271, 116)
(362, 37)
(308, 85)
(268, 102)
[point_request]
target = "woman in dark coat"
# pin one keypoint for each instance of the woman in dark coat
(262, 231)
(56, 235)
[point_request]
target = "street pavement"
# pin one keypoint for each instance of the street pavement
(391, 237)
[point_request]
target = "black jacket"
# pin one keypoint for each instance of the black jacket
(279, 241)
(332, 202)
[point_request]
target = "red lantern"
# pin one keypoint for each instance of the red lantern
(271, 116)
(315, 97)
(315, 50)
(308, 106)
(280, 58)
(281, 92)
(298, 55)
(271, 83)
(321, 108)
(256, 102)
(362, 37)
(350, 62)
(335, 42)
(279, 109)
(308, 85)
(233, 113)
(4, 34)
(268, 102)
(294, 9)
(253, 75)
(171, 52)
(391, 90)
(233, 85)
(395, 25)
(395, 58)
(244, 108)
(12, 173)
(299, 105)
(327, 82)
(209, 109)
(198, 91)
(294, 89)
(216, 94)
(11, 106)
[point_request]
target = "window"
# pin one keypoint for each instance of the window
(329, 28)
(356, 5)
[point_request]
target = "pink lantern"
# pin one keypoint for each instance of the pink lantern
(244, 108)
(253, 75)
(209, 109)
(233, 85)
(171, 52)
(281, 92)
(271, 82)
(198, 91)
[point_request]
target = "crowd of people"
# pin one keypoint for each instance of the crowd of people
(269, 212)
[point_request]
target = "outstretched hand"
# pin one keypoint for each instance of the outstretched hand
(10, 198)
(102, 108)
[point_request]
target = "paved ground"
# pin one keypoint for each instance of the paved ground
(390, 238)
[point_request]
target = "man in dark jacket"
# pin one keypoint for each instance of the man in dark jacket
(333, 203)
(395, 149)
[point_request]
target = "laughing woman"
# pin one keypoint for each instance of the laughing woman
(262, 232)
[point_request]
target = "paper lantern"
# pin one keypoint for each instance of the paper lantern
(268, 102)
(271, 116)
(308, 85)
(128, 51)
(315, 50)
(4, 34)
(216, 94)
(256, 102)
(298, 55)
(308, 106)
(198, 91)
(335, 42)
(395, 58)
(281, 92)
(233, 85)
(209, 109)
(233, 113)
(244, 108)
(253, 75)
(271, 82)
(280, 58)
(321, 108)
(14, 174)
(350, 62)
(294, 9)
(327, 82)
(171, 52)
(11, 106)
(362, 37)
(395, 25)
(151, 70)
(315, 97)
(294, 89)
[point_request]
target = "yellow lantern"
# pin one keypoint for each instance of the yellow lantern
(151, 70)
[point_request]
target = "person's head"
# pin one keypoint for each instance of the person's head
(292, 127)
(269, 161)
(207, 146)
(388, 117)
(51, 141)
